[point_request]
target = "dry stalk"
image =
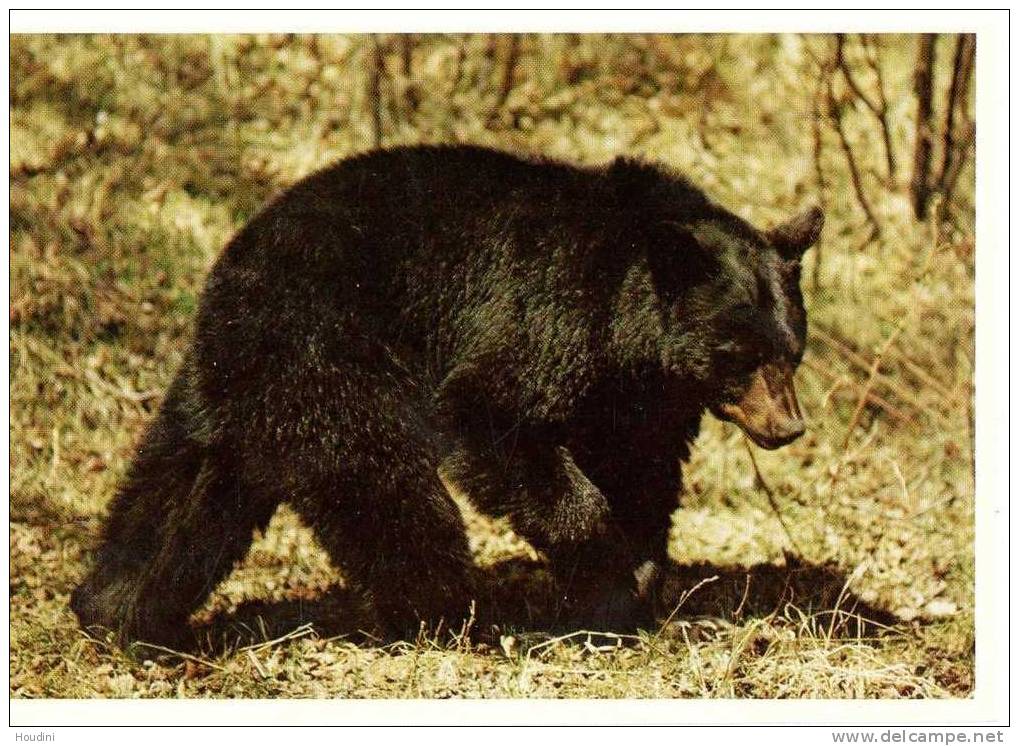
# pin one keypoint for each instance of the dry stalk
(683, 597)
(878, 357)
(302, 631)
(766, 489)
(854, 575)
(179, 654)
(894, 412)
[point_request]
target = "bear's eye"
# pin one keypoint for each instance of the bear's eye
(738, 357)
(742, 364)
(743, 315)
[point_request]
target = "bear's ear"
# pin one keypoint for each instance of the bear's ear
(795, 236)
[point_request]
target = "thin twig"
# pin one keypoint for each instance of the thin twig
(579, 633)
(179, 654)
(138, 397)
(896, 388)
(746, 594)
(872, 398)
(683, 597)
(878, 109)
(875, 364)
(871, 54)
(766, 489)
(302, 631)
(257, 664)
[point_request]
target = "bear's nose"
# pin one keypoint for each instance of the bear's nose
(786, 432)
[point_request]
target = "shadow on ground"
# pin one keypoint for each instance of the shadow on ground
(518, 596)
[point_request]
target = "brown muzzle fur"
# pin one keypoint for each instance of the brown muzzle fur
(768, 411)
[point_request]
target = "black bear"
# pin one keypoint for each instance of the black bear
(549, 335)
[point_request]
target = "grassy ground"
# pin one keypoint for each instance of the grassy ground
(134, 159)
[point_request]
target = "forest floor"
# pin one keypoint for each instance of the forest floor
(840, 566)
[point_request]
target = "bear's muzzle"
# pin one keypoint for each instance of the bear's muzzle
(768, 412)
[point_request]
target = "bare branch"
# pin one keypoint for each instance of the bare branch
(847, 71)
(878, 108)
(835, 114)
(870, 49)
(967, 76)
(818, 366)
(952, 177)
(879, 354)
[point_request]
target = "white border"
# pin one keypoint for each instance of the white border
(493, 21)
(989, 704)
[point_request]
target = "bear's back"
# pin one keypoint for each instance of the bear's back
(395, 246)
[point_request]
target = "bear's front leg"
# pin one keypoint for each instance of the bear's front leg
(610, 581)
(546, 496)
(554, 505)
(615, 575)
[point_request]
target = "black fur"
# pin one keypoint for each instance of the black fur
(549, 335)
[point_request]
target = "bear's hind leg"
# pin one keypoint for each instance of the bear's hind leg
(375, 500)
(401, 540)
(176, 526)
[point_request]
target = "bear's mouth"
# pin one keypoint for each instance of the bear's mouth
(768, 412)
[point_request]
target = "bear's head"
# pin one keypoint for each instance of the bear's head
(733, 325)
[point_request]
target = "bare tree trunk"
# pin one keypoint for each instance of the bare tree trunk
(411, 94)
(923, 87)
(957, 135)
(508, 73)
(375, 90)
(407, 53)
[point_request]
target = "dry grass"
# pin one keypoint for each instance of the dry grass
(134, 159)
